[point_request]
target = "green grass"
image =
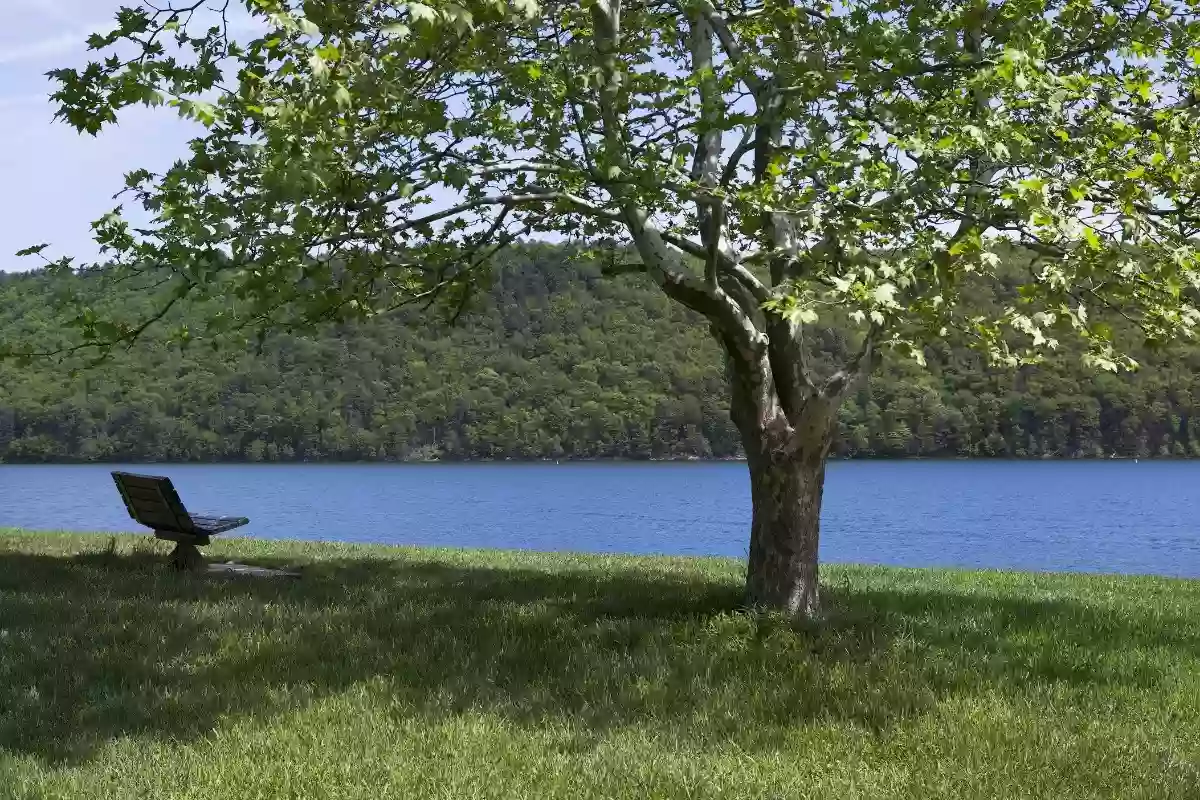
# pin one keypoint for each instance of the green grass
(468, 674)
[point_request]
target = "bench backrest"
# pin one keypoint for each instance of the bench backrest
(152, 501)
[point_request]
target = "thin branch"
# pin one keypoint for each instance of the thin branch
(753, 285)
(706, 163)
(745, 146)
(127, 338)
(789, 363)
(854, 369)
(729, 44)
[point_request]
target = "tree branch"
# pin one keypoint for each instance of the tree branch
(854, 369)
(706, 162)
(746, 278)
(789, 363)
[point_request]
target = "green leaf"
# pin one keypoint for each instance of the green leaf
(31, 251)
(420, 11)
(958, 248)
(527, 8)
(884, 294)
(460, 15)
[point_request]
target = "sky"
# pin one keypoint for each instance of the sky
(57, 181)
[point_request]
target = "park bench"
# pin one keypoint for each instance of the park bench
(152, 501)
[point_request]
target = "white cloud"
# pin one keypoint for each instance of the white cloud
(51, 9)
(67, 180)
(24, 100)
(50, 47)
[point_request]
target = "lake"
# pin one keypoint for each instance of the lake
(1112, 516)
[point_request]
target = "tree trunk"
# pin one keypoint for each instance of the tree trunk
(785, 416)
(786, 454)
(782, 570)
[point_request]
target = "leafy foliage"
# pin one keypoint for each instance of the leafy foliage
(556, 361)
(868, 154)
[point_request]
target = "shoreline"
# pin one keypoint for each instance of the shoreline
(316, 549)
(618, 461)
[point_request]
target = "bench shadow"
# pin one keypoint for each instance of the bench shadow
(104, 646)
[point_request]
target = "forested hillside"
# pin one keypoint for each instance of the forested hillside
(558, 362)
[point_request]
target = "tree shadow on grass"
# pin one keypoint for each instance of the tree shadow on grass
(98, 647)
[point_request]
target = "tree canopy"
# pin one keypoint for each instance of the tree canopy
(865, 154)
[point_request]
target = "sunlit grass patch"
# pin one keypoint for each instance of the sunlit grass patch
(387, 672)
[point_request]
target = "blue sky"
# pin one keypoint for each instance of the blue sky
(55, 180)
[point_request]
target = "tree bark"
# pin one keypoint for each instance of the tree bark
(786, 447)
(782, 569)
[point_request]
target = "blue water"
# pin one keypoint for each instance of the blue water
(1093, 516)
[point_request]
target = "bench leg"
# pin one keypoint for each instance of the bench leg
(186, 558)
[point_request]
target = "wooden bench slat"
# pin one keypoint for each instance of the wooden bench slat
(182, 538)
(140, 482)
(143, 495)
(152, 501)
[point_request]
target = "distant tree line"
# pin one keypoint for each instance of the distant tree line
(556, 361)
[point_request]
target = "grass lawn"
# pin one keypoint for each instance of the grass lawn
(410, 673)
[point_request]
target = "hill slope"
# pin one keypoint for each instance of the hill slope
(558, 362)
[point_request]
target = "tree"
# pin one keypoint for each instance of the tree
(769, 164)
